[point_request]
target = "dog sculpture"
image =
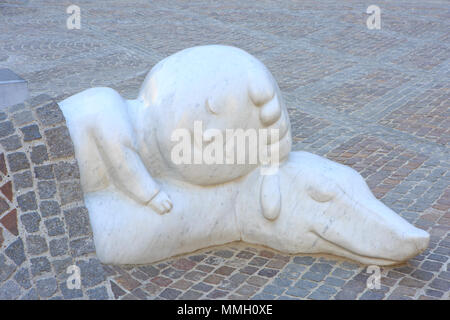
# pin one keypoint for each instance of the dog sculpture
(145, 207)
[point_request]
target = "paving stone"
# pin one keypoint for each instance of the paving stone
(46, 189)
(162, 281)
(9, 221)
(321, 268)
(138, 275)
(323, 292)
(213, 279)
(70, 192)
(81, 246)
(60, 266)
(238, 278)
(151, 271)
(39, 99)
(249, 270)
(197, 257)
(44, 172)
(66, 171)
(372, 295)
(335, 282)
(346, 294)
(39, 154)
(6, 128)
(274, 289)
(69, 294)
(77, 221)
(40, 266)
(18, 161)
(224, 270)
(213, 260)
(3, 167)
(245, 255)
(440, 284)
(438, 257)
(117, 291)
(4, 206)
(27, 201)
(59, 142)
(99, 293)
(9, 290)
(431, 266)
(258, 261)
(22, 277)
(445, 275)
(263, 296)
(36, 245)
(247, 290)
(50, 208)
(23, 180)
(409, 282)
(15, 251)
(422, 275)
(54, 226)
(202, 287)
(50, 114)
(31, 221)
(140, 294)
(304, 260)
(224, 253)
(257, 281)
(172, 273)
(305, 284)
(191, 295)
(30, 295)
(58, 247)
(349, 265)
(217, 294)
(46, 287)
(314, 276)
(92, 273)
(195, 275)
(6, 269)
(266, 272)
(31, 132)
(11, 143)
(183, 284)
(23, 117)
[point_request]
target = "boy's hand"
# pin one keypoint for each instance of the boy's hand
(161, 203)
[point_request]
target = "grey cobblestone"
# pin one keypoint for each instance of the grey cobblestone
(11, 143)
(36, 245)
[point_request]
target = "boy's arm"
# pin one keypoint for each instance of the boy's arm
(116, 142)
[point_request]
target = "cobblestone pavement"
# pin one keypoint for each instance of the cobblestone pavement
(376, 100)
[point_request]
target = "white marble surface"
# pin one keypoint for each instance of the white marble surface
(144, 207)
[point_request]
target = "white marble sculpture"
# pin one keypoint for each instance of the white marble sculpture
(145, 207)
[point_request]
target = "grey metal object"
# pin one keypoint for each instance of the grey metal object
(13, 89)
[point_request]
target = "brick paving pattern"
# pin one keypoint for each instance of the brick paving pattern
(376, 100)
